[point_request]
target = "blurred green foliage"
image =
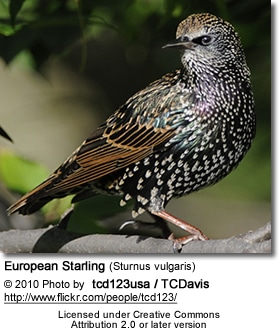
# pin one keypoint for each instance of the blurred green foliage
(21, 175)
(77, 30)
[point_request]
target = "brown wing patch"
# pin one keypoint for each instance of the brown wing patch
(117, 150)
(106, 151)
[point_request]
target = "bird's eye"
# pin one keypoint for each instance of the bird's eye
(203, 40)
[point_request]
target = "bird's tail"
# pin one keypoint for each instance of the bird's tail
(33, 200)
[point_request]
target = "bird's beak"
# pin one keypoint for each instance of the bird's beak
(178, 43)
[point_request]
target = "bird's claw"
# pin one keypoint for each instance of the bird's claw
(138, 224)
(131, 222)
(178, 243)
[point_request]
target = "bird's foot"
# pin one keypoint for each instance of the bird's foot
(135, 224)
(158, 224)
(178, 243)
(139, 225)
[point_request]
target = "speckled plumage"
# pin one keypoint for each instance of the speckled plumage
(181, 133)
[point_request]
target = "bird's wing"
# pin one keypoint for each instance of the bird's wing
(107, 150)
(112, 146)
(128, 136)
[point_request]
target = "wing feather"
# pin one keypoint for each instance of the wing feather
(109, 157)
(129, 135)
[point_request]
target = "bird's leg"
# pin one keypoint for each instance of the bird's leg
(195, 233)
(162, 224)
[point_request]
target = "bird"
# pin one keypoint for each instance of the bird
(183, 132)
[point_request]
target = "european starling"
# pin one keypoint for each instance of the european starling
(183, 132)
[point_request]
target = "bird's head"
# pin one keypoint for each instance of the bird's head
(208, 41)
